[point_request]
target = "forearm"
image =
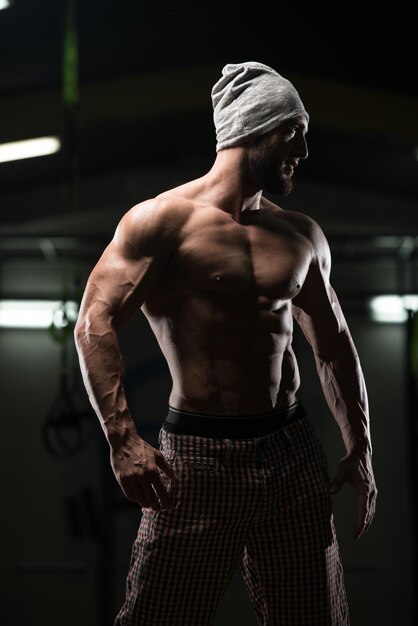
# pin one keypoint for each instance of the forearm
(102, 371)
(344, 389)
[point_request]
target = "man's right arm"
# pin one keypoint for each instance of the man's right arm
(127, 271)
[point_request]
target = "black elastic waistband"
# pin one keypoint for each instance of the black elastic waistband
(237, 426)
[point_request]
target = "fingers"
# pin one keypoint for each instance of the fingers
(142, 472)
(150, 499)
(145, 492)
(162, 493)
(360, 476)
(166, 467)
(145, 485)
(362, 515)
(366, 512)
(158, 485)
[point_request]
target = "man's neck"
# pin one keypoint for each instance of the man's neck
(227, 185)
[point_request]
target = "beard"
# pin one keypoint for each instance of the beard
(267, 171)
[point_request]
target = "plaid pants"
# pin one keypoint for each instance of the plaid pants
(261, 503)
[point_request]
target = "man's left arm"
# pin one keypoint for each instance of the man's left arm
(319, 314)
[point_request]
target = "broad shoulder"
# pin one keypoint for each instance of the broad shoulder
(158, 214)
(154, 220)
(309, 228)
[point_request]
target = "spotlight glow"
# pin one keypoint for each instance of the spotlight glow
(28, 148)
(4, 4)
(37, 313)
(391, 308)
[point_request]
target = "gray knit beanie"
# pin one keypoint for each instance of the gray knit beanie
(250, 99)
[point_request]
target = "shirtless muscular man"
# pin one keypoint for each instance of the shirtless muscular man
(240, 478)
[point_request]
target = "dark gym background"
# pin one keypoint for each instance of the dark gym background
(126, 86)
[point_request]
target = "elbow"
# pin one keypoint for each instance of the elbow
(91, 327)
(79, 330)
(83, 326)
(80, 333)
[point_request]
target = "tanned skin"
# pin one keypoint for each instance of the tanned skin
(221, 272)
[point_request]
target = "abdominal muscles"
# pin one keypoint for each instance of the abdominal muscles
(228, 359)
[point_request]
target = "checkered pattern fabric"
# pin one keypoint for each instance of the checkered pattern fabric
(258, 503)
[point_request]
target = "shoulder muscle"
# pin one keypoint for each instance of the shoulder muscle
(311, 230)
(131, 264)
(149, 228)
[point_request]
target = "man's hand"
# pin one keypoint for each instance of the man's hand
(356, 470)
(136, 465)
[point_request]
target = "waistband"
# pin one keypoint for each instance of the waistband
(236, 426)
